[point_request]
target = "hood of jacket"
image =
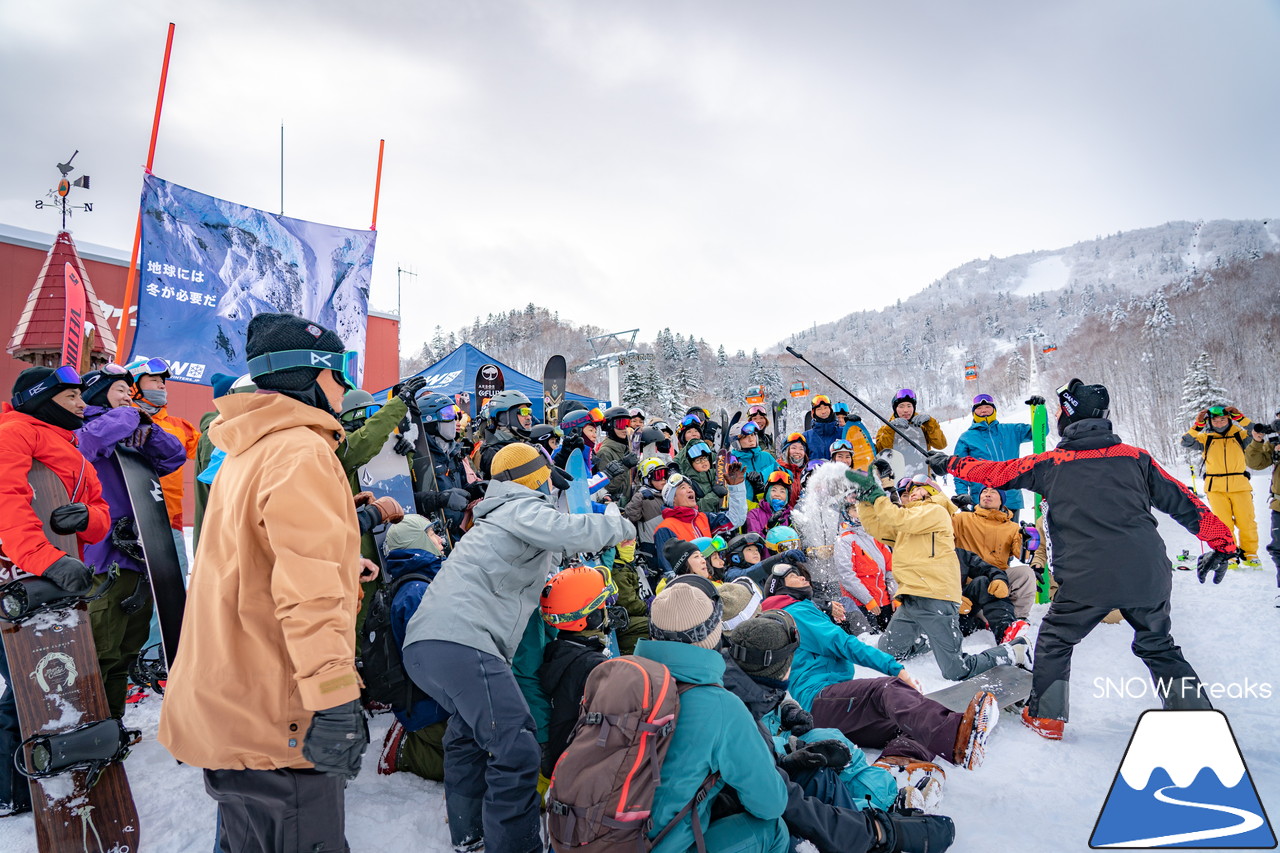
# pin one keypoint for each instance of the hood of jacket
(690, 664)
(998, 516)
(1088, 434)
(563, 652)
(758, 698)
(244, 419)
(408, 561)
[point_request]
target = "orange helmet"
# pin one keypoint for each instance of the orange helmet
(574, 596)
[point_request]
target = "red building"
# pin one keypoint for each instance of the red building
(31, 266)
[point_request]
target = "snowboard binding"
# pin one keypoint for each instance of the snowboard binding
(25, 597)
(149, 669)
(89, 747)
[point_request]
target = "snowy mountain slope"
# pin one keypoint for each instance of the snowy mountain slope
(1031, 795)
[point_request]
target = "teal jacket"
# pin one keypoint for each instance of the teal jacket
(993, 442)
(714, 733)
(760, 461)
(827, 654)
(869, 786)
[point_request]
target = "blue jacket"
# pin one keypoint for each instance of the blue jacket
(760, 461)
(827, 654)
(820, 436)
(400, 562)
(992, 442)
(714, 733)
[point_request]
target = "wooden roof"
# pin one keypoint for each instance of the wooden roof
(39, 329)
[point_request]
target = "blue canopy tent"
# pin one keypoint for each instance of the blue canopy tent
(456, 373)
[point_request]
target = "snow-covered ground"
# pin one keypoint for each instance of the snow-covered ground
(1031, 795)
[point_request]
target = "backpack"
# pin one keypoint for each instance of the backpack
(380, 663)
(602, 788)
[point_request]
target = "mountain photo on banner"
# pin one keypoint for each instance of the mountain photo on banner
(209, 265)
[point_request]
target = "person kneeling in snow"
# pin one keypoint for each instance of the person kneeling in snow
(459, 645)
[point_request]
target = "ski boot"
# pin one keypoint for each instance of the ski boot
(1017, 629)
(919, 782)
(1252, 561)
(392, 744)
(1183, 561)
(1046, 728)
(902, 830)
(980, 719)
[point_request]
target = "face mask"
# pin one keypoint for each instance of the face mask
(627, 553)
(803, 593)
(448, 430)
(156, 397)
(51, 413)
(777, 504)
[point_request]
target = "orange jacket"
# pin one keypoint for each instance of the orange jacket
(992, 534)
(23, 438)
(268, 636)
(187, 433)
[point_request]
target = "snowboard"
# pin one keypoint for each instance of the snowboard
(864, 449)
(159, 551)
(896, 461)
(1039, 438)
(424, 471)
(578, 496)
(779, 412)
(57, 687)
(553, 387)
(387, 475)
(1010, 684)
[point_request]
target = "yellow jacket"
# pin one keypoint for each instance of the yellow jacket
(1224, 464)
(269, 631)
(924, 547)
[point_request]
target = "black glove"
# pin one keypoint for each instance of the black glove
(70, 574)
(336, 739)
(802, 759)
(938, 461)
(883, 468)
(408, 390)
(1035, 400)
(572, 442)
(963, 501)
(615, 469)
(835, 752)
(795, 718)
(476, 490)
(1214, 562)
(69, 518)
(630, 460)
(456, 499)
(909, 829)
(756, 479)
(719, 490)
(795, 555)
(402, 446)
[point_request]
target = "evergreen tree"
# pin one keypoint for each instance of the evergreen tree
(1200, 390)
(1016, 371)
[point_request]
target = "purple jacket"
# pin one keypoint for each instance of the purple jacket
(102, 430)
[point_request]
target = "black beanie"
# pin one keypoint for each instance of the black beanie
(1080, 402)
(97, 383)
(284, 332)
(765, 644)
(677, 553)
(41, 406)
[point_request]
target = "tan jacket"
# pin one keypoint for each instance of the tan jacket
(992, 534)
(269, 631)
(1261, 455)
(924, 548)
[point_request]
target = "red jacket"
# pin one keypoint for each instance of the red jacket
(23, 438)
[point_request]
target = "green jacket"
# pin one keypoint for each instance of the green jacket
(204, 450)
(364, 444)
(1259, 456)
(611, 450)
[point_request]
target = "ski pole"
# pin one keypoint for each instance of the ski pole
(908, 439)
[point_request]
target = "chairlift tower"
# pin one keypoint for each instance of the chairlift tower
(612, 350)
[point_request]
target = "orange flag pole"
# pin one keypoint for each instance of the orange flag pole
(131, 284)
(377, 184)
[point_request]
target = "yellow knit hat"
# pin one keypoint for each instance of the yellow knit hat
(521, 463)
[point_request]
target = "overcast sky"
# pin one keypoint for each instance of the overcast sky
(733, 169)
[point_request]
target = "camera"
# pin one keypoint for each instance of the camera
(1271, 431)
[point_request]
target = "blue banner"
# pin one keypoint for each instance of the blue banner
(209, 265)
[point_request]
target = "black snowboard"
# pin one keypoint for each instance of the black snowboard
(151, 516)
(779, 432)
(55, 678)
(554, 376)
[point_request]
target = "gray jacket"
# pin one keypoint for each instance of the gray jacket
(490, 585)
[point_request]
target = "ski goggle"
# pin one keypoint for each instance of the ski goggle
(716, 545)
(1218, 411)
(691, 421)
(905, 394)
(610, 589)
(984, 400)
(841, 445)
(820, 400)
(345, 364)
(796, 436)
(361, 414)
(658, 474)
(64, 375)
(150, 367)
(115, 371)
(522, 411)
(757, 410)
(842, 408)
(915, 480)
(780, 476)
(622, 422)
(697, 450)
(748, 429)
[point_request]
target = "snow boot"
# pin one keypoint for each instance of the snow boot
(1017, 629)
(980, 719)
(1019, 652)
(910, 831)
(392, 744)
(1252, 561)
(1046, 728)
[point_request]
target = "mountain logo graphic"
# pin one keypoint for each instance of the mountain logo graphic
(1183, 783)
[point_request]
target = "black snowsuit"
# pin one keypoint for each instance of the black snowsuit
(448, 462)
(566, 663)
(976, 575)
(1105, 552)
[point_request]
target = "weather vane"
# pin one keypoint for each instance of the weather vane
(59, 195)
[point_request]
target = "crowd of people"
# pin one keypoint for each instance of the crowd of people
(673, 666)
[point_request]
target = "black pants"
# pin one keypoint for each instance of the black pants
(988, 611)
(1069, 622)
(279, 811)
(1274, 548)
